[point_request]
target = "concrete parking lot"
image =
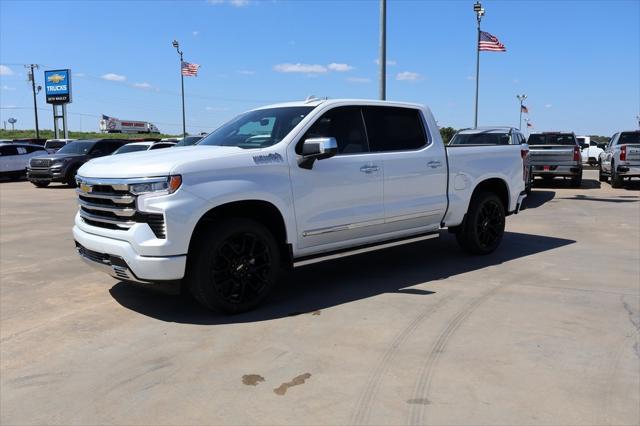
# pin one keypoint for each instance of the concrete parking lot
(544, 331)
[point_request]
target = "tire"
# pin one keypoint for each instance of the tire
(529, 186)
(234, 266)
(70, 179)
(482, 231)
(616, 181)
(601, 176)
(41, 184)
(576, 181)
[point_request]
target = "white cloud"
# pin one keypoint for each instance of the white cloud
(246, 72)
(209, 108)
(548, 105)
(339, 67)
(5, 70)
(114, 77)
(359, 80)
(408, 76)
(390, 62)
(143, 85)
(5, 87)
(195, 33)
(303, 68)
(235, 3)
(79, 74)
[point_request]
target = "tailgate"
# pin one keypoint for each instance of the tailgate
(551, 155)
(633, 153)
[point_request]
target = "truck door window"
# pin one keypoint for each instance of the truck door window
(8, 150)
(345, 125)
(394, 129)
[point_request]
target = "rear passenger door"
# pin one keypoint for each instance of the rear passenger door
(8, 156)
(415, 169)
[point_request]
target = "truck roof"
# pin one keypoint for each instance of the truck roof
(488, 129)
(315, 102)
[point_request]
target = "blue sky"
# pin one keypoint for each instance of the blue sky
(578, 61)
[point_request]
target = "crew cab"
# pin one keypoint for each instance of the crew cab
(14, 158)
(286, 185)
(621, 158)
(63, 165)
(498, 136)
(555, 154)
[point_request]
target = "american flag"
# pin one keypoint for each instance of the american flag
(529, 124)
(524, 109)
(190, 70)
(490, 43)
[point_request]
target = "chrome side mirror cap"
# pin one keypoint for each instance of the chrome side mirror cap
(317, 149)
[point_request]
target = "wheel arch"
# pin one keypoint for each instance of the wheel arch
(494, 185)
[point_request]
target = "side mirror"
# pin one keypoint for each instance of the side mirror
(317, 149)
(584, 145)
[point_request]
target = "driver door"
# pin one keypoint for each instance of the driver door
(340, 199)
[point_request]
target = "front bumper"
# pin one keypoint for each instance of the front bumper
(541, 170)
(119, 259)
(49, 175)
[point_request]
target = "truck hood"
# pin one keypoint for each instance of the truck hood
(159, 162)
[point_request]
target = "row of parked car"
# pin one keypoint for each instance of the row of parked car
(58, 160)
(561, 154)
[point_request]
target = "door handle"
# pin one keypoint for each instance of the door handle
(434, 164)
(369, 169)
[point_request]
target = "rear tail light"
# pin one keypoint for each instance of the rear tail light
(623, 153)
(576, 153)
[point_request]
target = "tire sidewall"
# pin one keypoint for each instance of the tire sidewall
(200, 277)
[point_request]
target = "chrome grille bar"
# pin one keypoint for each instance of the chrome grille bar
(125, 212)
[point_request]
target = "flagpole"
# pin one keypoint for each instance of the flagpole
(477, 7)
(184, 127)
(521, 98)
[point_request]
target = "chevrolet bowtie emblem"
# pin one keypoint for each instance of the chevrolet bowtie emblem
(55, 78)
(85, 188)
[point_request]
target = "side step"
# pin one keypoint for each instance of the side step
(337, 254)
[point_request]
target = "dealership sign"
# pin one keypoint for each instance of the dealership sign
(58, 86)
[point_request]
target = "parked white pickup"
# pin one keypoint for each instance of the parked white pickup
(286, 185)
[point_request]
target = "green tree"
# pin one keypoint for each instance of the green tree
(447, 133)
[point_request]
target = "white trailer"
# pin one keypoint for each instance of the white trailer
(114, 125)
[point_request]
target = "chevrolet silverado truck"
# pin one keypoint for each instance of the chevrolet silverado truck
(64, 164)
(621, 158)
(555, 154)
(287, 185)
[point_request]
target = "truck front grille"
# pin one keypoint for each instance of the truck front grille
(40, 163)
(113, 206)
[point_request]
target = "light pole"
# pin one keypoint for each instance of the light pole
(479, 10)
(177, 46)
(521, 98)
(32, 79)
(383, 49)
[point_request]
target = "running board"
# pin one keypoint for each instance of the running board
(338, 254)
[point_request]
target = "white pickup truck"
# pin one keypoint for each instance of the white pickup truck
(286, 185)
(621, 158)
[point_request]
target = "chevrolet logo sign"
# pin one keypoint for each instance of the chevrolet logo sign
(55, 78)
(85, 188)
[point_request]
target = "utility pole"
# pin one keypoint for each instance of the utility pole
(383, 50)
(32, 78)
(479, 10)
(184, 126)
(521, 98)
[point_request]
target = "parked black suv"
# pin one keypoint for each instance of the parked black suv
(64, 164)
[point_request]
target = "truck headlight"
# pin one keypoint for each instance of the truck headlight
(167, 185)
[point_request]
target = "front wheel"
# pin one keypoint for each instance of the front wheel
(234, 266)
(484, 225)
(70, 179)
(41, 183)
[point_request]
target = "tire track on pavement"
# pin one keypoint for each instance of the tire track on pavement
(368, 395)
(423, 384)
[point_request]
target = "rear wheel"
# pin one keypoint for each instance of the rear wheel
(484, 225)
(616, 180)
(576, 181)
(235, 266)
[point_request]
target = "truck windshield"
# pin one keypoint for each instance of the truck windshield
(629, 137)
(257, 129)
(130, 148)
(78, 147)
(54, 144)
(485, 138)
(552, 139)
